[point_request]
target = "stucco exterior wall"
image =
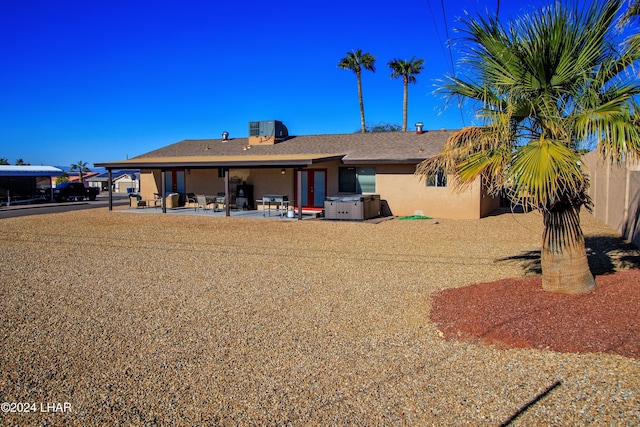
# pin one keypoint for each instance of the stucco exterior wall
(149, 183)
(199, 181)
(407, 194)
(203, 181)
(271, 181)
(615, 192)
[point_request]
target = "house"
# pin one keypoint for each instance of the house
(26, 184)
(75, 176)
(123, 181)
(309, 168)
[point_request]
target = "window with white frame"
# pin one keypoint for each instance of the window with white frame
(438, 179)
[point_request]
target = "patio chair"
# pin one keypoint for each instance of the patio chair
(218, 204)
(201, 202)
(157, 200)
(190, 200)
(135, 201)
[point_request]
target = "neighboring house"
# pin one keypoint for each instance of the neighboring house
(75, 176)
(309, 168)
(615, 192)
(26, 184)
(123, 181)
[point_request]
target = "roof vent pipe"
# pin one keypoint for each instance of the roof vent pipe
(225, 136)
(419, 127)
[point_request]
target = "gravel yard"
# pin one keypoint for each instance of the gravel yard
(158, 319)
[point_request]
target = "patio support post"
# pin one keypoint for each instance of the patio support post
(164, 191)
(110, 183)
(227, 199)
(299, 195)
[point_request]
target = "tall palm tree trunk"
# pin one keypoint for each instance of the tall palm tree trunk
(364, 129)
(565, 268)
(405, 102)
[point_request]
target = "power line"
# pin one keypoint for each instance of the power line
(446, 30)
(435, 26)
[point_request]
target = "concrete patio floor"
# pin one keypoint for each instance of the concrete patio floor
(258, 214)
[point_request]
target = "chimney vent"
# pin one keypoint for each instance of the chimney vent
(225, 136)
(419, 127)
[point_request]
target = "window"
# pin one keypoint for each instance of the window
(357, 180)
(438, 179)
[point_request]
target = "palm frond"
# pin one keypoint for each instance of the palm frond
(356, 60)
(545, 170)
(408, 69)
(469, 153)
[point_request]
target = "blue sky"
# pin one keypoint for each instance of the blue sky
(103, 80)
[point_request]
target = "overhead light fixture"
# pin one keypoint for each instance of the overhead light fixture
(283, 171)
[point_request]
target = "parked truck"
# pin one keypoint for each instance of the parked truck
(74, 190)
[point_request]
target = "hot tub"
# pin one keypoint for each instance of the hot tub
(353, 207)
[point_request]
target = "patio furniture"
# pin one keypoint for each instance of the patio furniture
(190, 200)
(280, 204)
(157, 200)
(135, 201)
(172, 200)
(217, 202)
(201, 202)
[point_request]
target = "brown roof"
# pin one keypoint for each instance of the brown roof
(368, 148)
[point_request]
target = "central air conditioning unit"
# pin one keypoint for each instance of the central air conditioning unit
(267, 132)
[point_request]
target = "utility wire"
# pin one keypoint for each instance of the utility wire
(446, 30)
(453, 71)
(435, 26)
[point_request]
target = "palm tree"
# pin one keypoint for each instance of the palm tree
(21, 162)
(4, 161)
(545, 85)
(81, 168)
(632, 14)
(356, 61)
(632, 11)
(408, 70)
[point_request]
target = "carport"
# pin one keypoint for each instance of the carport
(26, 184)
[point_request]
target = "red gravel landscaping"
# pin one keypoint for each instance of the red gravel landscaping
(517, 313)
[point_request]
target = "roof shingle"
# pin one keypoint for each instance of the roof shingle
(377, 147)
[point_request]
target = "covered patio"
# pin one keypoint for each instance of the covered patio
(223, 165)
